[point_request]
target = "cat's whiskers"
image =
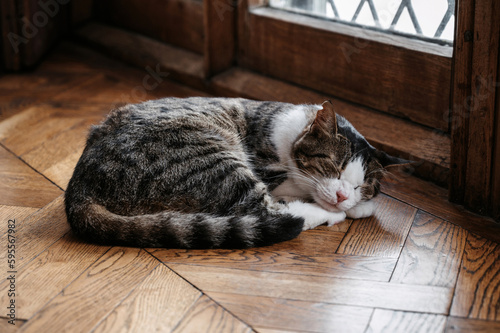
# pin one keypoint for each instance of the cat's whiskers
(381, 170)
(386, 172)
(310, 179)
(307, 174)
(299, 176)
(323, 190)
(302, 180)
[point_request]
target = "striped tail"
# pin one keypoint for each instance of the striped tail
(168, 229)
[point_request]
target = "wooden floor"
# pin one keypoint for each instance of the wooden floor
(410, 268)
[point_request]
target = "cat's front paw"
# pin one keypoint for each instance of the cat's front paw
(334, 218)
(313, 214)
(329, 218)
(361, 210)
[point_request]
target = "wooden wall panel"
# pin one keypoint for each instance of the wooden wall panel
(176, 22)
(495, 180)
(482, 112)
(220, 35)
(461, 85)
(475, 170)
(29, 29)
(10, 57)
(81, 11)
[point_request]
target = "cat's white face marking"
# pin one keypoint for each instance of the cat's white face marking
(342, 194)
(286, 131)
(354, 172)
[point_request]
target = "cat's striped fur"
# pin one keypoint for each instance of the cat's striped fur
(197, 173)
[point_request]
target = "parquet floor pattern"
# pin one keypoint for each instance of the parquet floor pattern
(409, 268)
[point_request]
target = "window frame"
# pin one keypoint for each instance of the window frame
(475, 108)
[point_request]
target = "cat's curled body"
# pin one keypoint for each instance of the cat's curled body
(213, 172)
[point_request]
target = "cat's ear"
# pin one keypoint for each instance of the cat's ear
(326, 119)
(388, 161)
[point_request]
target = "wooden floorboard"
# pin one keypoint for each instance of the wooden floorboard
(36, 233)
(465, 325)
(21, 185)
(318, 288)
(89, 298)
(420, 264)
(279, 259)
(434, 200)
(381, 235)
(20, 213)
(477, 294)
(397, 321)
(158, 304)
(60, 265)
(288, 314)
(432, 253)
(207, 316)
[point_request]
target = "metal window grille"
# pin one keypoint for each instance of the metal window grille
(429, 22)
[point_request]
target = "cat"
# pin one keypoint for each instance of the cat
(220, 173)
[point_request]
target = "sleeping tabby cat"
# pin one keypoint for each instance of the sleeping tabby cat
(220, 173)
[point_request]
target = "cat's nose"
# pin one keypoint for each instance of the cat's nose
(341, 197)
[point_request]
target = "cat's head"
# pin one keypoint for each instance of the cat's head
(336, 164)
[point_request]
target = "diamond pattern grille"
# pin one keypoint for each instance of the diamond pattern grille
(423, 19)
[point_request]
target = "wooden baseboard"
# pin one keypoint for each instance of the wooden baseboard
(428, 148)
(182, 65)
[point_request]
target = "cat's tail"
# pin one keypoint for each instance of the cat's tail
(95, 223)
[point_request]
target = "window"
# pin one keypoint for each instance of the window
(430, 20)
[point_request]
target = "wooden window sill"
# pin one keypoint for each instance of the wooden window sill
(354, 31)
(182, 65)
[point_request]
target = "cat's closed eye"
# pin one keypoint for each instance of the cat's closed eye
(319, 155)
